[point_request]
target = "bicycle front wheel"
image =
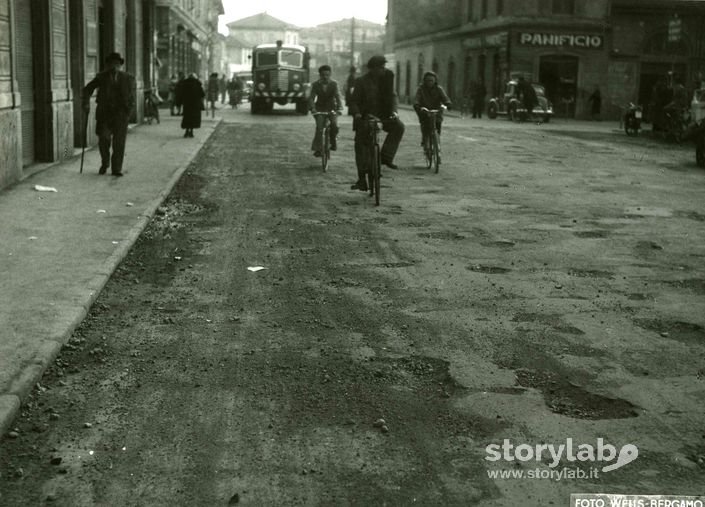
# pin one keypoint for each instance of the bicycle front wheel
(427, 148)
(325, 149)
(436, 151)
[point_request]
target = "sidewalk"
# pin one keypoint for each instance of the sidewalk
(58, 249)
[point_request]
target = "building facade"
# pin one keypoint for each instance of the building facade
(49, 49)
(246, 33)
(343, 43)
(570, 46)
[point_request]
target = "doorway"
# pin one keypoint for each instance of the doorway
(77, 69)
(25, 80)
(559, 75)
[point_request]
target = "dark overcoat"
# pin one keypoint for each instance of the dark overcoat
(192, 95)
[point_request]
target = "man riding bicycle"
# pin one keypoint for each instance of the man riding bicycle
(374, 94)
(430, 95)
(325, 97)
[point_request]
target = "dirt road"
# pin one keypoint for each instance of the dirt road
(547, 284)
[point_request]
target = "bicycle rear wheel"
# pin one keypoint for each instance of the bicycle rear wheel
(377, 164)
(325, 149)
(436, 151)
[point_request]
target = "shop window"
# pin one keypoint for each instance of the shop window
(483, 11)
(434, 66)
(563, 7)
(470, 10)
(500, 7)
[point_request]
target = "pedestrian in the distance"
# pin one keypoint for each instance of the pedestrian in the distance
(172, 94)
(115, 103)
(222, 88)
(350, 87)
(478, 99)
(213, 90)
(595, 103)
(177, 93)
(192, 95)
(528, 97)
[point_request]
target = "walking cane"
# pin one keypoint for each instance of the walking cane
(83, 137)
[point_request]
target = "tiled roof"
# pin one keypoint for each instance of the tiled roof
(262, 21)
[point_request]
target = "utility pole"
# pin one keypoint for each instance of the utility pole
(352, 41)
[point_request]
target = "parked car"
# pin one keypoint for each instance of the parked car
(510, 105)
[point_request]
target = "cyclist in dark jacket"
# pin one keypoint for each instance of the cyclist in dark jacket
(374, 94)
(431, 96)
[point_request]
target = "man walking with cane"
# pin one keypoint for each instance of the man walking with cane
(115, 102)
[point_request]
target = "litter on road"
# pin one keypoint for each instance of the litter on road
(42, 188)
(254, 269)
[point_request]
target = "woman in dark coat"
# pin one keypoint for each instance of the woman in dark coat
(192, 95)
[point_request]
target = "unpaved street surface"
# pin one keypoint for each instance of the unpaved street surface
(547, 284)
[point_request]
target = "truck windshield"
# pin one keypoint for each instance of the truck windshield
(291, 58)
(266, 58)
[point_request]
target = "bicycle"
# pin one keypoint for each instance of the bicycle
(373, 155)
(324, 134)
(151, 107)
(431, 139)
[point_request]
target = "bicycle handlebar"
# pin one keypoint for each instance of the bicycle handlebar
(330, 113)
(443, 108)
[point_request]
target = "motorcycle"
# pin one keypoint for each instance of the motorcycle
(632, 119)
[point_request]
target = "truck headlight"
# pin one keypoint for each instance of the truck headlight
(261, 86)
(296, 87)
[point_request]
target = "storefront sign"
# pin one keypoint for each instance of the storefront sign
(561, 39)
(486, 41)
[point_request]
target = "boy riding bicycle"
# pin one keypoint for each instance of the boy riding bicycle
(325, 97)
(430, 95)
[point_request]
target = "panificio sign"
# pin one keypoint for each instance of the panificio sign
(561, 39)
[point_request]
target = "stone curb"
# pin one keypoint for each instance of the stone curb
(22, 386)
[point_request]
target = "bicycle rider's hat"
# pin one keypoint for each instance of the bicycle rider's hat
(114, 57)
(376, 62)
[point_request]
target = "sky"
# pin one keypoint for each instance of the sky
(305, 13)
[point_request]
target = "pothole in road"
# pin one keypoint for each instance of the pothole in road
(550, 320)
(567, 398)
(647, 246)
(448, 235)
(677, 330)
(492, 270)
(638, 296)
(590, 273)
(394, 264)
(692, 215)
(502, 243)
(695, 284)
(416, 224)
(591, 234)
(429, 370)
(671, 166)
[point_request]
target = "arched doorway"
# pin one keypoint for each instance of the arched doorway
(559, 75)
